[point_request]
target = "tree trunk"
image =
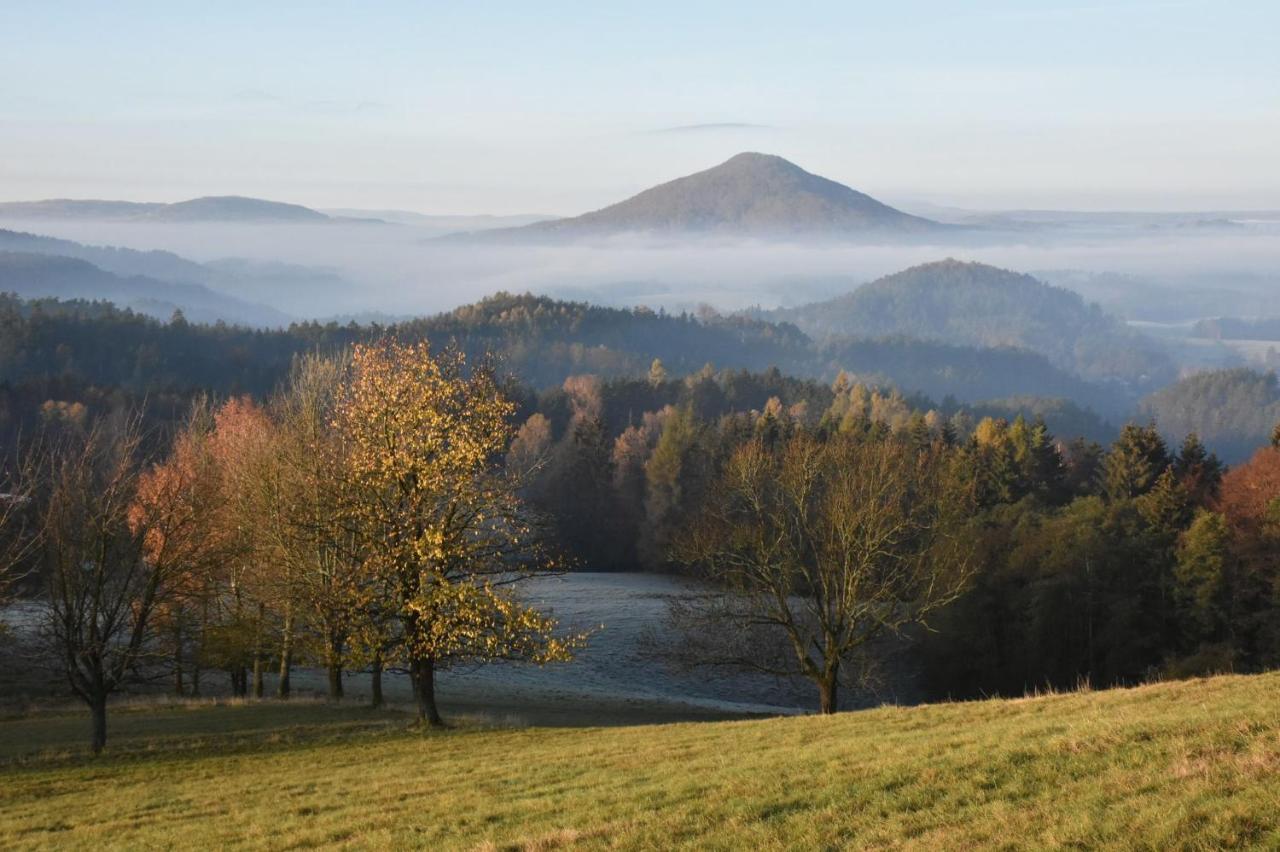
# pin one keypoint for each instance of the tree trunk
(257, 655)
(98, 710)
(179, 688)
(424, 683)
(335, 681)
(828, 701)
(286, 656)
(199, 651)
(334, 654)
(375, 682)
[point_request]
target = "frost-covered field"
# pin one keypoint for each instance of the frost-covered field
(609, 681)
(619, 608)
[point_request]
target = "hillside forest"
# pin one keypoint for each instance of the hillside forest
(356, 498)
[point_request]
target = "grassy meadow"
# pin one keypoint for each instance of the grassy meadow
(1175, 765)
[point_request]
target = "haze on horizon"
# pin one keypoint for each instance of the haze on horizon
(559, 108)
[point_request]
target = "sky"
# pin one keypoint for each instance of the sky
(559, 107)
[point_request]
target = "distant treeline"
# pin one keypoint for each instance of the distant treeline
(1233, 410)
(1109, 558)
(1233, 328)
(94, 354)
(1107, 565)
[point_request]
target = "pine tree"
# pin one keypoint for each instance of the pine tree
(1167, 506)
(1083, 467)
(672, 482)
(918, 434)
(948, 433)
(1135, 462)
(1199, 470)
(1047, 470)
(998, 472)
(1201, 576)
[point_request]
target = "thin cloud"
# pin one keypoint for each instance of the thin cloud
(712, 127)
(1069, 11)
(342, 106)
(260, 97)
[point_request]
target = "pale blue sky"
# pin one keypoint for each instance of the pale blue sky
(559, 107)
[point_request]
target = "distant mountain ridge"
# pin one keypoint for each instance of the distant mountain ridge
(751, 195)
(440, 222)
(220, 208)
(277, 291)
(121, 261)
(34, 275)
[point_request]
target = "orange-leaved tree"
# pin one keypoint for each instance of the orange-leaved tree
(252, 581)
(181, 501)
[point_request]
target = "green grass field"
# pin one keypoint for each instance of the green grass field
(1177, 765)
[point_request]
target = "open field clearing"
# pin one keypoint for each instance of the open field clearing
(610, 681)
(1177, 765)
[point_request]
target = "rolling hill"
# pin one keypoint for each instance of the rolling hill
(1180, 765)
(280, 290)
(223, 208)
(973, 304)
(439, 223)
(542, 341)
(164, 265)
(234, 208)
(749, 195)
(1234, 411)
(32, 275)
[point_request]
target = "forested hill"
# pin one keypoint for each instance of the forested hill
(163, 265)
(973, 304)
(539, 340)
(36, 275)
(1235, 328)
(1235, 411)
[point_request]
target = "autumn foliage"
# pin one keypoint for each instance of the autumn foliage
(442, 530)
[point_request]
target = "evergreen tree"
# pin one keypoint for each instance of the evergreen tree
(948, 433)
(1135, 462)
(1047, 470)
(1199, 470)
(675, 475)
(918, 434)
(579, 492)
(1201, 577)
(1167, 507)
(1083, 467)
(996, 470)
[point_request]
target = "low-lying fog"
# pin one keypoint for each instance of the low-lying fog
(1154, 273)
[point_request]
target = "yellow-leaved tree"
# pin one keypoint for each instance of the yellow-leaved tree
(443, 533)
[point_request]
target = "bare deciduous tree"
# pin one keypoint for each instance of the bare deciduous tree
(813, 550)
(19, 530)
(104, 586)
